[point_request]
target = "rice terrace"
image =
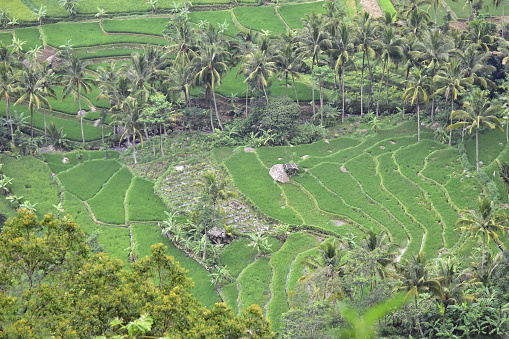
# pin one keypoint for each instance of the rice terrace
(323, 169)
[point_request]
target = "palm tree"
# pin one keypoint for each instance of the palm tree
(8, 83)
(344, 45)
(390, 49)
(288, 63)
(450, 83)
(69, 6)
(366, 31)
(485, 223)
(478, 112)
(209, 65)
(416, 277)
(129, 117)
(41, 14)
(433, 51)
(180, 34)
(77, 79)
(35, 90)
(313, 40)
(417, 92)
(474, 63)
(258, 66)
(259, 242)
(215, 189)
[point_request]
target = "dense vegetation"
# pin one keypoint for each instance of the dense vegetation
(368, 107)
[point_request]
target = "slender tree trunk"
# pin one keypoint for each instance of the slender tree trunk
(215, 109)
(247, 103)
(8, 115)
(134, 149)
(477, 148)
(44, 118)
(418, 123)
(161, 141)
(313, 90)
(450, 131)
(80, 114)
(342, 98)
(32, 121)
(380, 89)
(362, 82)
(286, 84)
(295, 90)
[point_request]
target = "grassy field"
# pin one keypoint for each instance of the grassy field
(215, 17)
(149, 26)
(108, 204)
(141, 202)
(293, 13)
(32, 180)
(17, 9)
(86, 179)
(260, 18)
(86, 34)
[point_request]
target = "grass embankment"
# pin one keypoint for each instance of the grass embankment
(280, 262)
(32, 180)
(86, 179)
(141, 202)
(108, 204)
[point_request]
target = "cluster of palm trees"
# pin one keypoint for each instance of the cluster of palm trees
(439, 66)
(446, 281)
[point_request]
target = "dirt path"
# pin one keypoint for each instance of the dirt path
(372, 7)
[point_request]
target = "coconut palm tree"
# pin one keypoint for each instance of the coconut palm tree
(367, 43)
(450, 82)
(342, 41)
(417, 92)
(258, 66)
(215, 189)
(8, 86)
(129, 117)
(313, 41)
(288, 63)
(35, 89)
(69, 6)
(391, 49)
(210, 66)
(485, 223)
(475, 66)
(77, 79)
(433, 51)
(478, 112)
(260, 243)
(180, 33)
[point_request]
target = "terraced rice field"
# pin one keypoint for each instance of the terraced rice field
(386, 182)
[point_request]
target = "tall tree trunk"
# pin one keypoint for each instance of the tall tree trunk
(342, 98)
(477, 148)
(161, 141)
(362, 82)
(313, 89)
(215, 109)
(8, 115)
(80, 114)
(134, 149)
(295, 89)
(418, 123)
